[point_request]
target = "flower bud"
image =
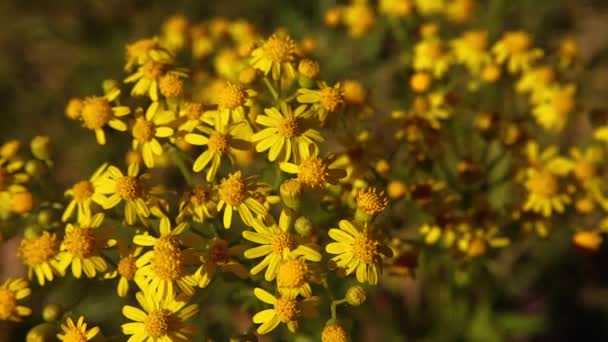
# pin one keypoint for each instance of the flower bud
(35, 168)
(52, 312)
(32, 231)
(44, 332)
(334, 332)
(22, 202)
(356, 295)
(303, 226)
(41, 147)
(291, 191)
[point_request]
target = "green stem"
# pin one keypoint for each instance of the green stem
(270, 87)
(181, 165)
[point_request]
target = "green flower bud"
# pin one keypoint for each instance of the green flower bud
(356, 295)
(41, 147)
(32, 231)
(35, 168)
(44, 332)
(45, 217)
(52, 312)
(303, 226)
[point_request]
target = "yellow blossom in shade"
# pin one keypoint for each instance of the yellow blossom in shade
(74, 108)
(12, 291)
(517, 50)
(84, 194)
(175, 32)
(38, 254)
(430, 54)
(126, 267)
(222, 142)
(371, 202)
(535, 80)
(165, 266)
(278, 243)
(200, 203)
(80, 247)
(360, 18)
(460, 11)
(588, 240)
(471, 49)
(236, 193)
(544, 193)
(358, 250)
(220, 256)
(144, 50)
(77, 332)
(97, 113)
(430, 7)
(396, 8)
(148, 128)
(231, 100)
(288, 134)
(191, 115)
(276, 55)
(553, 107)
(569, 51)
(21, 202)
(315, 173)
(354, 92)
(287, 309)
(325, 100)
(163, 318)
(129, 188)
(585, 164)
(294, 274)
(148, 76)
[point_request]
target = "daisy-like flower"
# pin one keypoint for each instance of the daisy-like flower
(231, 100)
(77, 332)
(164, 267)
(325, 100)
(83, 194)
(191, 115)
(315, 173)
(220, 257)
(80, 247)
(289, 134)
(144, 50)
(97, 113)
(544, 193)
(148, 76)
(516, 49)
(471, 49)
(370, 203)
(163, 318)
(553, 107)
(129, 188)
(148, 128)
(358, 250)
(126, 267)
(430, 54)
(12, 291)
(294, 274)
(278, 243)
(535, 80)
(38, 254)
(237, 193)
(287, 309)
(277, 54)
(223, 141)
(200, 203)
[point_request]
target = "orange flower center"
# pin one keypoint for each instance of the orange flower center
(279, 49)
(38, 250)
(288, 128)
(143, 130)
(292, 273)
(158, 323)
(129, 188)
(286, 309)
(96, 112)
(313, 173)
(365, 248)
(126, 267)
(233, 191)
(282, 240)
(8, 304)
(331, 99)
(543, 184)
(80, 242)
(231, 96)
(218, 143)
(82, 191)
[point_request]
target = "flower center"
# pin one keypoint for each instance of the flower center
(562, 103)
(218, 143)
(38, 250)
(365, 248)
(371, 202)
(279, 48)
(80, 242)
(292, 273)
(152, 70)
(128, 187)
(168, 260)
(313, 173)
(158, 323)
(74, 335)
(231, 96)
(8, 304)
(286, 309)
(143, 130)
(334, 333)
(96, 112)
(331, 99)
(517, 42)
(543, 184)
(82, 191)
(477, 41)
(281, 241)
(193, 111)
(199, 195)
(288, 128)
(233, 190)
(171, 85)
(126, 267)
(584, 170)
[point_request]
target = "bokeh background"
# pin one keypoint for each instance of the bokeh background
(538, 291)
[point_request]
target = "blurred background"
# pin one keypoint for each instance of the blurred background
(537, 291)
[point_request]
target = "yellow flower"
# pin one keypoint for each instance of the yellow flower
(276, 54)
(231, 100)
(430, 7)
(80, 247)
(11, 292)
(334, 332)
(200, 203)
(315, 173)
(516, 49)
(370, 202)
(164, 267)
(98, 112)
(163, 318)
(289, 134)
(144, 50)
(220, 256)
(358, 250)
(148, 128)
(294, 274)
(431, 55)
(396, 8)
(471, 50)
(191, 113)
(236, 193)
(535, 80)
(287, 309)
(128, 188)
(554, 105)
(223, 141)
(125, 268)
(460, 11)
(175, 32)
(360, 18)
(77, 332)
(83, 194)
(38, 254)
(544, 195)
(278, 243)
(148, 76)
(588, 240)
(326, 99)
